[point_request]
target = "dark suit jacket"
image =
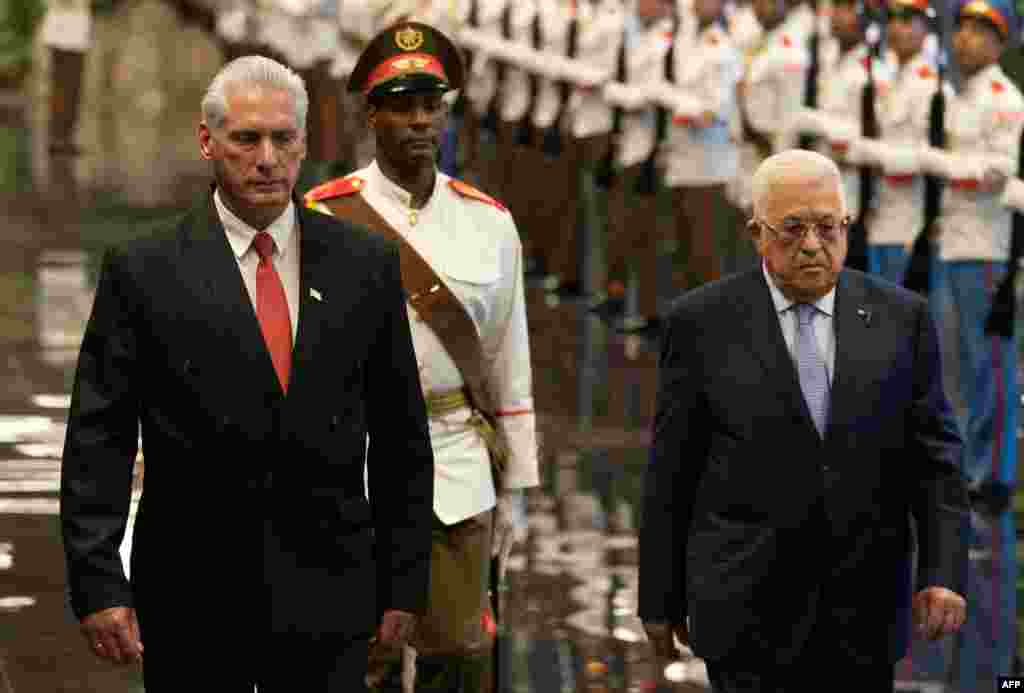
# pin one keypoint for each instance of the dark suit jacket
(253, 504)
(756, 528)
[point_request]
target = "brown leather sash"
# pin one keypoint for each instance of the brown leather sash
(440, 309)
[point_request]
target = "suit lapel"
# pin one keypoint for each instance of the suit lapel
(768, 343)
(312, 296)
(210, 260)
(853, 332)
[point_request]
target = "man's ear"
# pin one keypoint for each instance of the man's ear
(205, 141)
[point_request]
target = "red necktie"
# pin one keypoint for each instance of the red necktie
(272, 309)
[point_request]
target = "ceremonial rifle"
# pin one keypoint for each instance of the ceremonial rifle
(1001, 319)
(919, 269)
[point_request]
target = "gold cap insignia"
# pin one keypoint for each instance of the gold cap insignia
(408, 39)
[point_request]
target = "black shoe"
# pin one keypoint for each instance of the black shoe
(570, 290)
(609, 309)
(990, 498)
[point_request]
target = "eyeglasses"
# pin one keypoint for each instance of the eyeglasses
(793, 232)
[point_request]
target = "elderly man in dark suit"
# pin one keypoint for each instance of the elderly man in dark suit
(800, 423)
(256, 551)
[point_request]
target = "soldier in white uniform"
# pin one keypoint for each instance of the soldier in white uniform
(983, 126)
(468, 316)
(701, 156)
(771, 90)
(67, 32)
(844, 75)
(903, 112)
(633, 216)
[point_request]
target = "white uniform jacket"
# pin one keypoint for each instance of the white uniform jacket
(841, 87)
(646, 48)
(773, 82)
(482, 81)
(600, 36)
(903, 120)
(474, 247)
(983, 127)
(707, 68)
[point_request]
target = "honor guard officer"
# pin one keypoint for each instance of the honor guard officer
(844, 75)
(67, 32)
(701, 156)
(983, 132)
(600, 25)
(482, 90)
(983, 126)
(771, 89)
(552, 218)
(633, 218)
(903, 112)
(462, 271)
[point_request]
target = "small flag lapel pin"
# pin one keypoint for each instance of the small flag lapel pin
(316, 294)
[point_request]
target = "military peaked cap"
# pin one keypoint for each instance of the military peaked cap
(407, 58)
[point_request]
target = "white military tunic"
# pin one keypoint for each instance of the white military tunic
(555, 17)
(903, 120)
(841, 86)
(707, 68)
(983, 126)
(646, 48)
(482, 82)
(774, 87)
(474, 247)
(600, 36)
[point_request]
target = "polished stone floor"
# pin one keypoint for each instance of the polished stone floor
(571, 589)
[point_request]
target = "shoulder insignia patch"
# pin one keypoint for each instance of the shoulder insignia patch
(339, 187)
(467, 190)
(925, 72)
(998, 87)
(787, 42)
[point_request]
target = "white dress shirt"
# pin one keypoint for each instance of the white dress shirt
(474, 247)
(822, 321)
(285, 232)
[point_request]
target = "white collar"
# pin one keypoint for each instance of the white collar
(825, 304)
(393, 191)
(240, 234)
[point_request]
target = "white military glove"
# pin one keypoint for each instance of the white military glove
(509, 526)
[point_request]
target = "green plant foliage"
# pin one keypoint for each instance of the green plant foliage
(104, 6)
(18, 22)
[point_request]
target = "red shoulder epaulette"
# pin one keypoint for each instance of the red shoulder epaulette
(469, 191)
(998, 87)
(787, 42)
(339, 187)
(925, 72)
(866, 62)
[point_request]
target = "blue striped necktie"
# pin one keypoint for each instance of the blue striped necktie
(811, 367)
